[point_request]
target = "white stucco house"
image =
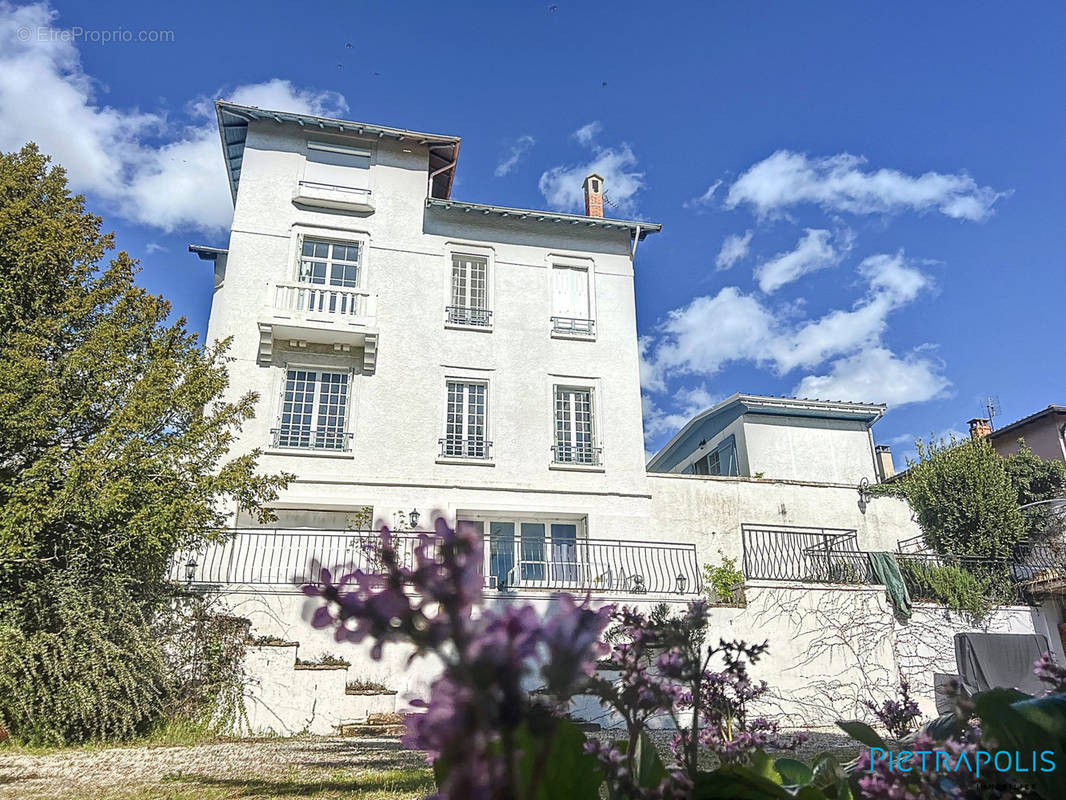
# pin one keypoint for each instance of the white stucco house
(417, 355)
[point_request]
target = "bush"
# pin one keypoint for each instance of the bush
(951, 586)
(723, 579)
(99, 676)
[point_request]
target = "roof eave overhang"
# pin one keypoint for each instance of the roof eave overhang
(233, 120)
(635, 228)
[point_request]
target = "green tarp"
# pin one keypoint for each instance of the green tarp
(886, 571)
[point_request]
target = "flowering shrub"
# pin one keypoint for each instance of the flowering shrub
(898, 716)
(491, 739)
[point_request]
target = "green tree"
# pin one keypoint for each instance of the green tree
(963, 498)
(1035, 479)
(114, 432)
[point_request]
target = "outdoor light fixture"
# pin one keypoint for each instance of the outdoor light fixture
(190, 570)
(413, 516)
(865, 495)
(682, 582)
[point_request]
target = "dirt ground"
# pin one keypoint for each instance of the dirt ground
(141, 770)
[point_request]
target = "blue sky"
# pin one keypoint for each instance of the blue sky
(860, 201)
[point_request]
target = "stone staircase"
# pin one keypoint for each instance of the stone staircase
(285, 696)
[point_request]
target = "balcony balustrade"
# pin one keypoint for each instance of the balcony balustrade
(291, 557)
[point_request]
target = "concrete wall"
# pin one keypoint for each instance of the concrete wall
(712, 509)
(831, 649)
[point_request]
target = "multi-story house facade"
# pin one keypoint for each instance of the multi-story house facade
(415, 356)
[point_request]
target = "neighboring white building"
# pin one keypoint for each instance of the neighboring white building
(777, 438)
(417, 356)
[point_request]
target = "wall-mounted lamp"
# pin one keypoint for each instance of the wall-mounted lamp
(865, 495)
(190, 570)
(682, 583)
(413, 516)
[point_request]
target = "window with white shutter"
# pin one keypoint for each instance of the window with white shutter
(571, 310)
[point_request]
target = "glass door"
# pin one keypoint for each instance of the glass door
(501, 553)
(564, 562)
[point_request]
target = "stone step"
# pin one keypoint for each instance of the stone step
(363, 730)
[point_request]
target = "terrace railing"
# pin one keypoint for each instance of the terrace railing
(816, 555)
(290, 557)
(806, 555)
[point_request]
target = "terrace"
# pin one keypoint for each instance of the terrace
(291, 557)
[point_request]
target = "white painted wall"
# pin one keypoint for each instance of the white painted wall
(397, 412)
(710, 510)
(806, 448)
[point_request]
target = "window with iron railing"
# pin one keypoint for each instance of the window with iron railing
(466, 421)
(575, 440)
(314, 407)
(470, 291)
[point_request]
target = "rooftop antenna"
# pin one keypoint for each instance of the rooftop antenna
(992, 406)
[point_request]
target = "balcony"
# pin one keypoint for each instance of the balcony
(323, 441)
(467, 317)
(573, 328)
(290, 557)
(458, 449)
(328, 195)
(578, 455)
(331, 315)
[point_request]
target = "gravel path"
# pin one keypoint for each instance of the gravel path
(86, 771)
(67, 772)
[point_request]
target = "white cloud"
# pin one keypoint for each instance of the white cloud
(733, 327)
(812, 252)
(131, 160)
(705, 198)
(514, 154)
(154, 247)
(562, 185)
(878, 375)
(586, 134)
(838, 183)
(689, 401)
(734, 248)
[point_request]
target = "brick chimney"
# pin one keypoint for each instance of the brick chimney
(884, 461)
(979, 428)
(593, 195)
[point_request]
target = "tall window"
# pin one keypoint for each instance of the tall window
(470, 291)
(574, 433)
(329, 263)
(465, 423)
(313, 410)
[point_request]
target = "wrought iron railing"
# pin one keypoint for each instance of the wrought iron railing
(816, 555)
(573, 326)
(586, 455)
(291, 557)
(602, 565)
(471, 447)
(298, 438)
(466, 315)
